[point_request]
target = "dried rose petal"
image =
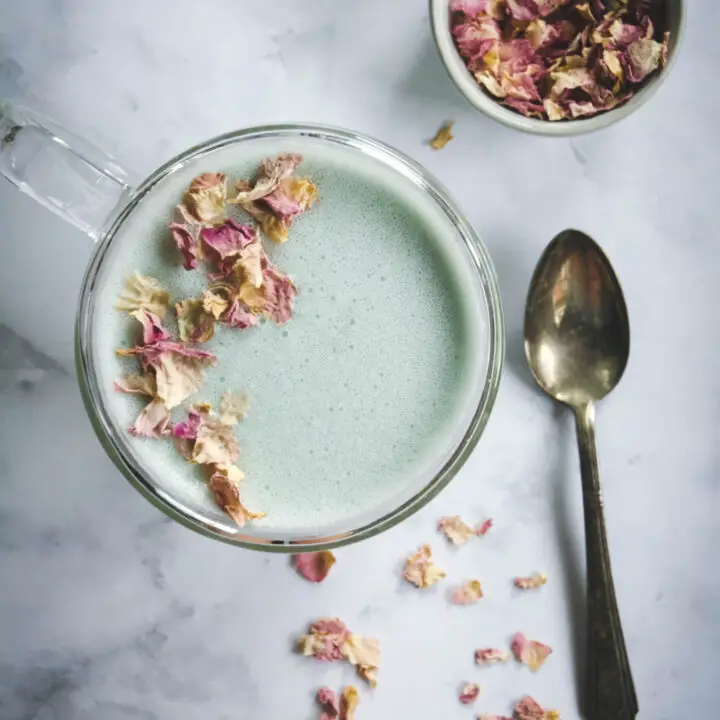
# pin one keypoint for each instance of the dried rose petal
(250, 263)
(136, 384)
(152, 421)
(185, 230)
(364, 653)
(224, 243)
(513, 50)
(178, 375)
(420, 570)
(455, 529)
(349, 701)
(188, 430)
(233, 407)
(226, 494)
(314, 566)
(272, 172)
(528, 709)
(194, 322)
(531, 582)
(468, 593)
(144, 293)
(238, 317)
(485, 527)
(214, 303)
(153, 330)
(327, 700)
(469, 693)
(325, 639)
(491, 656)
(215, 443)
(205, 198)
(442, 137)
(529, 652)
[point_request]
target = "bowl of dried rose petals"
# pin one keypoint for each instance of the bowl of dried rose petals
(557, 67)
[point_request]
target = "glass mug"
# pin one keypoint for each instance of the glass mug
(85, 187)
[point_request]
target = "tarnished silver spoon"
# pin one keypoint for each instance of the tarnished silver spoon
(577, 342)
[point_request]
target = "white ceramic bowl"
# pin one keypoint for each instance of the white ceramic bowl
(465, 82)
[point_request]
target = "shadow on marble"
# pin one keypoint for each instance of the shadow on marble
(566, 477)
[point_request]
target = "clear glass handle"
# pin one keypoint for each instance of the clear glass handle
(66, 174)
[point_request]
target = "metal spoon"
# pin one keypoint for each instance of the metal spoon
(577, 342)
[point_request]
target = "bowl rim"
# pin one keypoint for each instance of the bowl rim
(113, 442)
(439, 13)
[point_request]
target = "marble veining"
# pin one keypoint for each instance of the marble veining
(109, 611)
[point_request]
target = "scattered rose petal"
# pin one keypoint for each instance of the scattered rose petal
(152, 421)
(349, 701)
(364, 653)
(144, 293)
(485, 527)
(153, 330)
(531, 582)
(215, 443)
(491, 656)
(205, 198)
(233, 407)
(314, 566)
(214, 304)
(178, 376)
(223, 244)
(530, 652)
(250, 263)
(442, 137)
(468, 594)
(528, 709)
(469, 693)
(455, 529)
(185, 231)
(327, 700)
(188, 430)
(325, 639)
(420, 570)
(194, 322)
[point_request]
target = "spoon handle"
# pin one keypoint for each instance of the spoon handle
(610, 692)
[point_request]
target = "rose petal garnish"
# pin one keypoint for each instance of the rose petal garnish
(325, 639)
(178, 375)
(136, 384)
(468, 593)
(271, 173)
(455, 529)
(144, 293)
(469, 693)
(224, 488)
(188, 429)
(349, 701)
(224, 243)
(314, 566)
(420, 570)
(364, 653)
(272, 227)
(491, 656)
(152, 421)
(185, 230)
(529, 652)
(531, 582)
(215, 443)
(153, 330)
(238, 317)
(206, 196)
(327, 700)
(194, 322)
(274, 298)
(442, 137)
(303, 191)
(233, 407)
(214, 304)
(250, 264)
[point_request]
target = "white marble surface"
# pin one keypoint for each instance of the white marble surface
(110, 611)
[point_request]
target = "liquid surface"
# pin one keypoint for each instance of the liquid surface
(360, 398)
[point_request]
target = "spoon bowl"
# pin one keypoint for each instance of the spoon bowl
(577, 342)
(577, 336)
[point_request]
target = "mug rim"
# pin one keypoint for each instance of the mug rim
(177, 510)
